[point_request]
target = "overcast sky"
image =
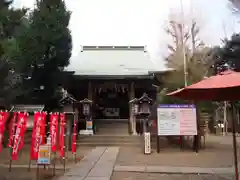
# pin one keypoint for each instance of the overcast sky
(141, 22)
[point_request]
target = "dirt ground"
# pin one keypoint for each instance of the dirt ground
(23, 174)
(24, 156)
(218, 153)
(157, 176)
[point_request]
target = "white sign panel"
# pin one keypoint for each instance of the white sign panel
(44, 156)
(177, 119)
(147, 143)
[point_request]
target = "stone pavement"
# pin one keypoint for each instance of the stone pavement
(173, 169)
(97, 165)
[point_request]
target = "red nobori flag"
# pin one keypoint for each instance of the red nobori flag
(24, 129)
(19, 134)
(62, 135)
(39, 124)
(11, 128)
(43, 128)
(54, 131)
(74, 137)
(3, 119)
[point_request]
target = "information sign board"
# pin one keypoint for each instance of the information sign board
(177, 119)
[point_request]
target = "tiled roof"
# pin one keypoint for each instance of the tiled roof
(27, 108)
(114, 61)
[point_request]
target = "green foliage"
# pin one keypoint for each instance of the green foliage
(45, 47)
(230, 54)
(10, 22)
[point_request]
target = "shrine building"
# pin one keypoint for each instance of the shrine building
(111, 76)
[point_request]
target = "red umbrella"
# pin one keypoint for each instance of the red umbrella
(222, 87)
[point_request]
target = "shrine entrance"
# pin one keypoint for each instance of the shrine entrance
(111, 108)
(112, 103)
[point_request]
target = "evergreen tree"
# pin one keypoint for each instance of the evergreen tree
(11, 21)
(230, 54)
(46, 45)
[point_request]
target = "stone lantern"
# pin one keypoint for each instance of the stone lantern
(144, 103)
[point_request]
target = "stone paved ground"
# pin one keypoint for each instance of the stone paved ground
(97, 165)
(218, 153)
(157, 176)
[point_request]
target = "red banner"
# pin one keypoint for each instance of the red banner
(24, 129)
(11, 128)
(62, 135)
(74, 137)
(43, 128)
(37, 136)
(54, 131)
(19, 134)
(3, 119)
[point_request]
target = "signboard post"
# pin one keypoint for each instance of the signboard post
(44, 155)
(177, 120)
(147, 143)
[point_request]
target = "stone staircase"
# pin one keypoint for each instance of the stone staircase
(115, 133)
(110, 140)
(111, 133)
(109, 127)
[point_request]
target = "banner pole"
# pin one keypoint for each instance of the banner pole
(64, 164)
(10, 161)
(37, 172)
(29, 165)
(10, 165)
(75, 157)
(54, 164)
(13, 139)
(64, 157)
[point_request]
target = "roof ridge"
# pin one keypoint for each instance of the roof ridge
(108, 48)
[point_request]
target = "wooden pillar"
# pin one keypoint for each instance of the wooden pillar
(132, 118)
(90, 92)
(90, 97)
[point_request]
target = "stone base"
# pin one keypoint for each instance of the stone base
(86, 132)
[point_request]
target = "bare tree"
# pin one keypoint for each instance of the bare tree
(190, 40)
(179, 38)
(198, 56)
(196, 40)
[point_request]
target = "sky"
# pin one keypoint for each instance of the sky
(142, 22)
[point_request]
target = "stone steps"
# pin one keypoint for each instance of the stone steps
(115, 127)
(110, 140)
(108, 144)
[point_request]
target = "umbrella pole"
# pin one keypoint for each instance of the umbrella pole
(225, 119)
(234, 143)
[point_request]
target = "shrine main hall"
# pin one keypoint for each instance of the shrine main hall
(111, 76)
